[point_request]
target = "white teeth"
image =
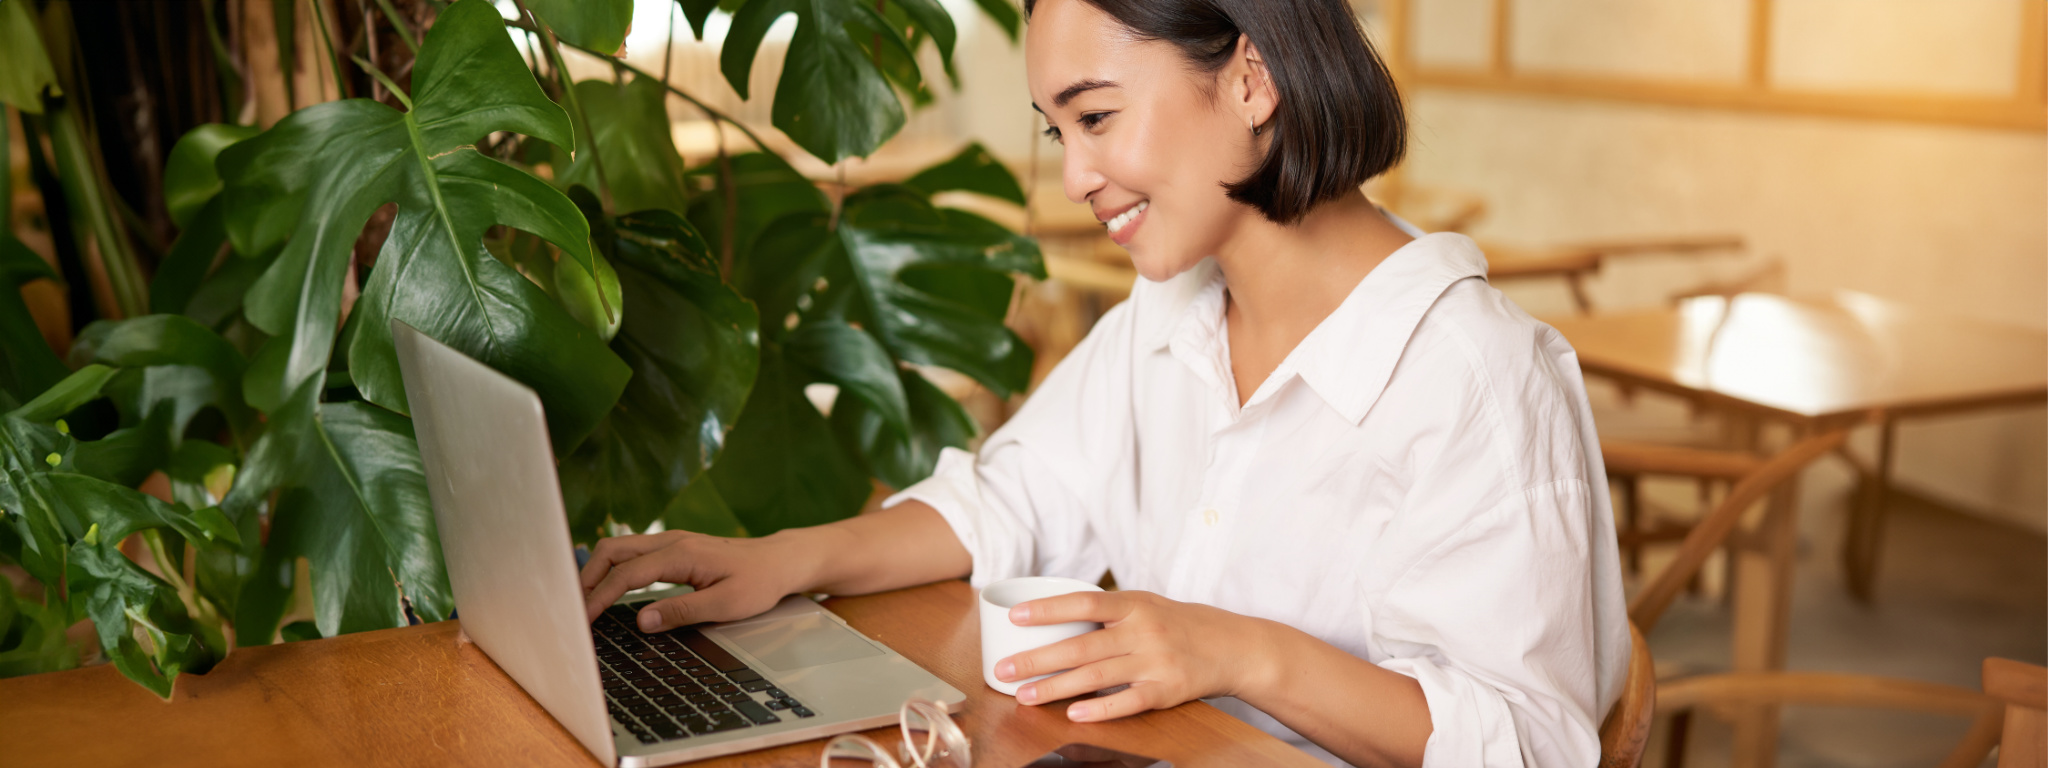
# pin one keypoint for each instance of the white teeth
(1117, 222)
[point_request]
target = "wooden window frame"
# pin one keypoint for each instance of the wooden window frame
(2026, 108)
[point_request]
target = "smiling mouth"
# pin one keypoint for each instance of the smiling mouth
(1121, 220)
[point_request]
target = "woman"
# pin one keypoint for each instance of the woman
(1350, 491)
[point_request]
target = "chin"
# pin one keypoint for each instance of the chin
(1158, 268)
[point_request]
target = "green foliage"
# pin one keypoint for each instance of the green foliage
(680, 396)
(25, 72)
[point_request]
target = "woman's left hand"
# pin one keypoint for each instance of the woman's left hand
(1168, 652)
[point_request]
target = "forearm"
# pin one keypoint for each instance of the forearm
(1363, 713)
(902, 546)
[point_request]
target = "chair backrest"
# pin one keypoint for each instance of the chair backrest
(1627, 728)
(1712, 531)
(2023, 688)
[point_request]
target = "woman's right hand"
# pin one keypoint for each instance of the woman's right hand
(734, 578)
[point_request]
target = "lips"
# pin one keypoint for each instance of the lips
(1123, 225)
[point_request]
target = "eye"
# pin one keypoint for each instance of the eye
(1053, 133)
(1093, 119)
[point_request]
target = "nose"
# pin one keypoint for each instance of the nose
(1078, 174)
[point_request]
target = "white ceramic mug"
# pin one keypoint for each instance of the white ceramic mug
(1001, 639)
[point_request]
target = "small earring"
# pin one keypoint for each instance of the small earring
(1253, 123)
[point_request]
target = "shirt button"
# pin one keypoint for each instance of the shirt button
(1209, 517)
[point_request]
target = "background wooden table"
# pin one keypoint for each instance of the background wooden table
(1811, 364)
(418, 696)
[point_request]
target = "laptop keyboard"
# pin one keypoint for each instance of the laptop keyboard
(678, 684)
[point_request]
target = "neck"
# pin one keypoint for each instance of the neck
(1283, 280)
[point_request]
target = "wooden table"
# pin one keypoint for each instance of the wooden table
(1812, 364)
(1575, 262)
(417, 696)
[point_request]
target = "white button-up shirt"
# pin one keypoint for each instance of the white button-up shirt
(1418, 483)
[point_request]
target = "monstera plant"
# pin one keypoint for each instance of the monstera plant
(670, 318)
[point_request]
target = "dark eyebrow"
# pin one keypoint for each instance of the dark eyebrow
(1076, 89)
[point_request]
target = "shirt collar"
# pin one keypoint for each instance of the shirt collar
(1349, 357)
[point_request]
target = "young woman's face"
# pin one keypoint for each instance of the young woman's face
(1143, 134)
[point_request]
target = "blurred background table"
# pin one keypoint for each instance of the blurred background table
(418, 696)
(1810, 364)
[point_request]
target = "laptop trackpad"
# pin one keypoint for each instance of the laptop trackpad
(798, 641)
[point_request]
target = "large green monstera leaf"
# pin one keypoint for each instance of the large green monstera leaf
(897, 281)
(312, 181)
(832, 98)
(692, 344)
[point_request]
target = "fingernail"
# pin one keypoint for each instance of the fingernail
(1005, 670)
(1028, 694)
(650, 620)
(1081, 712)
(1020, 614)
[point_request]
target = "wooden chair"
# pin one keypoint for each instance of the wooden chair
(2018, 690)
(1627, 728)
(2023, 689)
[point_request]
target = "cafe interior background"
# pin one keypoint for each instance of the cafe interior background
(1884, 154)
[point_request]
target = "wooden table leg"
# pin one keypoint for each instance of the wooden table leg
(1762, 609)
(1865, 537)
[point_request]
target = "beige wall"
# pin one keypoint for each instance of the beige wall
(1942, 217)
(1949, 219)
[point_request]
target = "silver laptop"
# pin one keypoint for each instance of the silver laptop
(792, 674)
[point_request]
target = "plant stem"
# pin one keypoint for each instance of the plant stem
(379, 76)
(405, 32)
(327, 41)
(100, 235)
(694, 101)
(554, 49)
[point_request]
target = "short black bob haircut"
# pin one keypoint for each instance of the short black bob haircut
(1339, 121)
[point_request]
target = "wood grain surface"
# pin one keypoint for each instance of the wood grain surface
(420, 696)
(1847, 358)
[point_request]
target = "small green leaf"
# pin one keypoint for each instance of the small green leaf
(830, 99)
(190, 180)
(53, 460)
(599, 25)
(974, 169)
(25, 72)
(1005, 15)
(81, 387)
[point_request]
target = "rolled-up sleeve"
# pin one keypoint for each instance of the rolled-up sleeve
(1498, 624)
(1028, 503)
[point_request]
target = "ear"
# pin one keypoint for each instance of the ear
(1249, 84)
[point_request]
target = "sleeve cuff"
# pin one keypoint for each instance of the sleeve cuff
(1469, 723)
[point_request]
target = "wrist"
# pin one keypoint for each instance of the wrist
(1271, 648)
(805, 554)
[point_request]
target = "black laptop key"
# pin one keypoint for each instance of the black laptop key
(800, 711)
(698, 724)
(743, 676)
(777, 704)
(702, 699)
(702, 671)
(709, 651)
(684, 685)
(665, 698)
(777, 693)
(756, 685)
(724, 688)
(667, 728)
(620, 612)
(755, 712)
(730, 722)
(738, 696)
